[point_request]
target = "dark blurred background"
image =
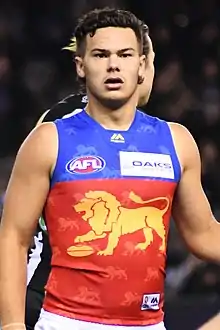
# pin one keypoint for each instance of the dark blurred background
(35, 74)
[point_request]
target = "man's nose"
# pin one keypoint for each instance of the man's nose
(113, 63)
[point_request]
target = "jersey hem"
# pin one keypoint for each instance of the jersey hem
(103, 320)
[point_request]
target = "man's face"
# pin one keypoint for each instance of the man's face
(111, 65)
(144, 89)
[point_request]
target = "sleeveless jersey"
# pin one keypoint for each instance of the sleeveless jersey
(39, 256)
(108, 214)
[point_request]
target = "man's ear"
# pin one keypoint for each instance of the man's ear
(142, 68)
(80, 67)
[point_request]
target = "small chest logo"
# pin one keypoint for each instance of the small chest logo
(150, 302)
(117, 138)
(85, 165)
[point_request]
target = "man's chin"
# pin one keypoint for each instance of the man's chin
(113, 102)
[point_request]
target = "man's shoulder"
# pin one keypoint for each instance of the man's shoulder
(180, 132)
(183, 140)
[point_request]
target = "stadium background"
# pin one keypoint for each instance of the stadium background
(35, 74)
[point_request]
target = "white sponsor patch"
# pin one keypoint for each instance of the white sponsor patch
(150, 302)
(146, 164)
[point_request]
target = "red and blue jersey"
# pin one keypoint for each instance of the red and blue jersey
(108, 214)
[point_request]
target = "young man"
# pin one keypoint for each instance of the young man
(105, 178)
(40, 256)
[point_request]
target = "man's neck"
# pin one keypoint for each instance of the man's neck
(118, 119)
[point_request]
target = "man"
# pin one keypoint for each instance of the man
(105, 178)
(40, 256)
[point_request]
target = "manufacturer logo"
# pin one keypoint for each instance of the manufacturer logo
(150, 301)
(118, 138)
(85, 165)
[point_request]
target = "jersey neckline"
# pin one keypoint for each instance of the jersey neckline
(90, 120)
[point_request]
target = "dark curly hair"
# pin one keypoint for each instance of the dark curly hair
(107, 17)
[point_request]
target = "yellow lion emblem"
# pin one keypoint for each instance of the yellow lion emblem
(106, 216)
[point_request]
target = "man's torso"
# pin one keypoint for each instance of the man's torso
(108, 216)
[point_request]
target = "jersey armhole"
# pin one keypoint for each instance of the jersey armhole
(57, 124)
(175, 158)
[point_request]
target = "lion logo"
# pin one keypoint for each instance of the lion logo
(107, 217)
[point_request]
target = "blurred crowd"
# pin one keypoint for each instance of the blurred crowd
(35, 73)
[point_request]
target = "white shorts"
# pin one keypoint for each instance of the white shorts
(49, 321)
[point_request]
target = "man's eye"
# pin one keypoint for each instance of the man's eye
(100, 55)
(126, 55)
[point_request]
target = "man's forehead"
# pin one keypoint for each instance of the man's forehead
(113, 37)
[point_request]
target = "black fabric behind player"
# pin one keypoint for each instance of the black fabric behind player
(40, 276)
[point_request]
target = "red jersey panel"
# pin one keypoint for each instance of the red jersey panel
(108, 240)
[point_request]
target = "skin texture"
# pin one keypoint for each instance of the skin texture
(30, 179)
(212, 324)
(191, 210)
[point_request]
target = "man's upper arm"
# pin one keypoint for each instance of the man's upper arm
(29, 183)
(191, 209)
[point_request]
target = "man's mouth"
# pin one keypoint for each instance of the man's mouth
(113, 83)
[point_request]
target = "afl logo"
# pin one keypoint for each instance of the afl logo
(85, 165)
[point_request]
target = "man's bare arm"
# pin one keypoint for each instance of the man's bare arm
(211, 324)
(25, 197)
(191, 210)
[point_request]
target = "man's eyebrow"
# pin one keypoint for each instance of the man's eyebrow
(102, 50)
(99, 50)
(126, 50)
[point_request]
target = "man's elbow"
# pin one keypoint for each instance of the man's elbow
(206, 245)
(11, 239)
